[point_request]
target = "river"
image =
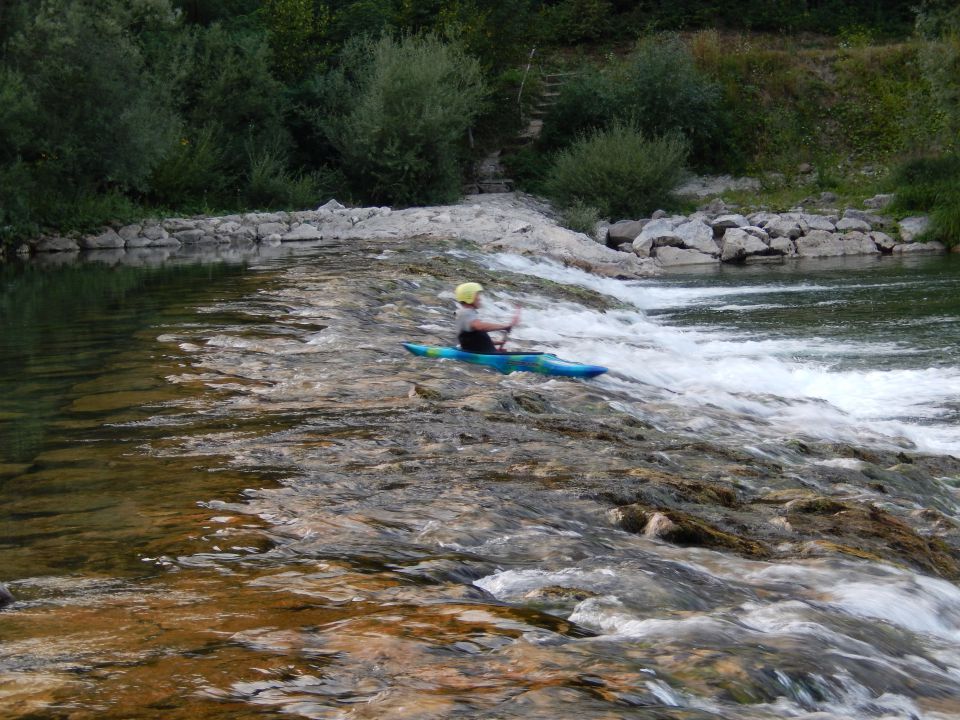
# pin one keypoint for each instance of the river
(227, 492)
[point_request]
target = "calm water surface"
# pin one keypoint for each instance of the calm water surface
(224, 493)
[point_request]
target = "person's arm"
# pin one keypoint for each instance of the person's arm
(485, 326)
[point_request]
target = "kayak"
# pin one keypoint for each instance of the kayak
(508, 362)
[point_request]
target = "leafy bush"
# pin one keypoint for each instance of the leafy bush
(581, 217)
(619, 171)
(409, 105)
(587, 101)
(931, 185)
(657, 87)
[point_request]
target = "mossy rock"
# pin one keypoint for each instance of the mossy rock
(686, 530)
(875, 534)
(817, 505)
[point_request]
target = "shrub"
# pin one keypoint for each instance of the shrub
(658, 88)
(619, 171)
(587, 101)
(410, 104)
(191, 172)
(581, 217)
(931, 185)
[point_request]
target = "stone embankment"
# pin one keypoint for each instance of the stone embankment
(513, 222)
(509, 222)
(715, 234)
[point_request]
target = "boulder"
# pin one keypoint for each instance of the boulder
(819, 243)
(175, 225)
(624, 231)
(130, 232)
(817, 222)
(858, 243)
(738, 244)
(883, 241)
(156, 234)
(657, 229)
(757, 232)
(53, 244)
(331, 205)
(262, 218)
(878, 202)
(642, 247)
(724, 222)
(848, 224)
(302, 233)
(106, 240)
(783, 246)
(911, 227)
(919, 247)
(671, 256)
(761, 219)
(697, 235)
(783, 227)
(190, 237)
(265, 230)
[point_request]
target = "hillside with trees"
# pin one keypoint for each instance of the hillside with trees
(112, 110)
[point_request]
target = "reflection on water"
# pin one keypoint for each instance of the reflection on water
(241, 500)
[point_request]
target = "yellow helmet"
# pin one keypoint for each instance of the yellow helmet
(467, 292)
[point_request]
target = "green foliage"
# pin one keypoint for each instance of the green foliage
(581, 217)
(192, 172)
(657, 87)
(619, 171)
(410, 103)
(573, 21)
(931, 184)
(106, 119)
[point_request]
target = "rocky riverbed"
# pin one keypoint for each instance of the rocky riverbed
(383, 536)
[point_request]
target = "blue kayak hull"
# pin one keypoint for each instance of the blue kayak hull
(543, 363)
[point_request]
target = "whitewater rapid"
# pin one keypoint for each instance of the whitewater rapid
(743, 385)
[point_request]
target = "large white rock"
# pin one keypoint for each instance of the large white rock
(920, 247)
(858, 243)
(738, 244)
(848, 224)
(783, 227)
(783, 246)
(669, 256)
(882, 241)
(697, 235)
(106, 240)
(911, 227)
(817, 222)
(658, 230)
(625, 231)
(724, 222)
(819, 243)
(267, 229)
(302, 233)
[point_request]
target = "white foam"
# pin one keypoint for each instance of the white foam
(776, 385)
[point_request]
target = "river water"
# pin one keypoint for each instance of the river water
(226, 492)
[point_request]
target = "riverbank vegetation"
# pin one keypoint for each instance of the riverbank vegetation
(114, 110)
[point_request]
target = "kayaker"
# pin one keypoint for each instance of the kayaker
(472, 332)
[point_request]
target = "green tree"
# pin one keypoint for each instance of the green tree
(408, 104)
(105, 117)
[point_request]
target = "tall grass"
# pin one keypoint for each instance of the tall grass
(931, 185)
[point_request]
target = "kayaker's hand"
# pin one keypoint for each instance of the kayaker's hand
(515, 320)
